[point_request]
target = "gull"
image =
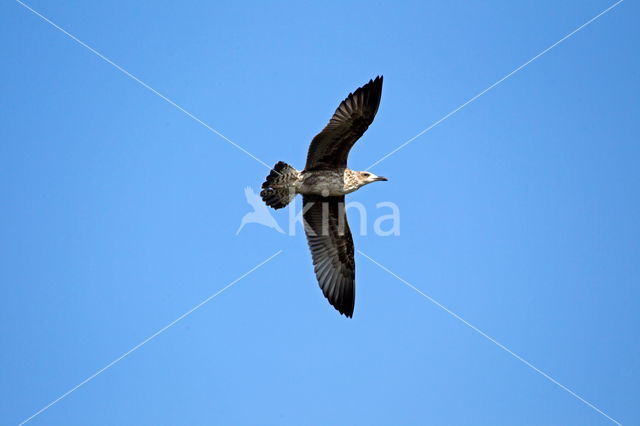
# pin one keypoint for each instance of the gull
(323, 183)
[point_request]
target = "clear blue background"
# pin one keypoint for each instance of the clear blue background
(520, 213)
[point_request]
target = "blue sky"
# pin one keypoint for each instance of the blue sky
(519, 213)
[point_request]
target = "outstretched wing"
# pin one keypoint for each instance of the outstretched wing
(330, 148)
(331, 247)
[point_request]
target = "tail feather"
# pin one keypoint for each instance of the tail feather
(279, 190)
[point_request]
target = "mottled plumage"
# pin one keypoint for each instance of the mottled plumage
(323, 184)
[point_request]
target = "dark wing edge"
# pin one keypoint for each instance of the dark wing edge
(330, 148)
(331, 246)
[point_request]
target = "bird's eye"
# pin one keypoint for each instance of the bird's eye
(365, 174)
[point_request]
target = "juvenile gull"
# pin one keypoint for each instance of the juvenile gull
(323, 184)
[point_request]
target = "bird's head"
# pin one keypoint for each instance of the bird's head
(365, 178)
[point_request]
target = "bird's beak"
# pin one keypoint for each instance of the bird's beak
(381, 179)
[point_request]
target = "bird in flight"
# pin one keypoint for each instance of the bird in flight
(323, 183)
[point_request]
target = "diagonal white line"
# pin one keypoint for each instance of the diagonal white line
(491, 339)
(137, 80)
(147, 340)
(495, 84)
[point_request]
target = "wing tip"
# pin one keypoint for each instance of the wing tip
(376, 82)
(343, 300)
(343, 303)
(347, 314)
(347, 311)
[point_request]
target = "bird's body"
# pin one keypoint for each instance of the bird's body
(323, 183)
(327, 183)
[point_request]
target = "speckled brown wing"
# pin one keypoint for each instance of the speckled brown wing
(331, 247)
(330, 148)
